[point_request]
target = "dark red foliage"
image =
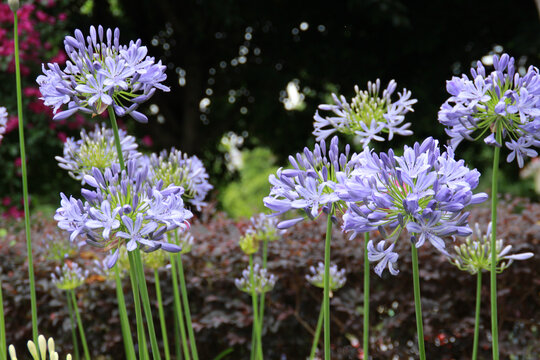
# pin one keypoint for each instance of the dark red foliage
(222, 314)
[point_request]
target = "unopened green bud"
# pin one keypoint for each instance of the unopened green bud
(249, 243)
(14, 5)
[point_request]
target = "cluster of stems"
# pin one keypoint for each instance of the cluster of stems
(258, 307)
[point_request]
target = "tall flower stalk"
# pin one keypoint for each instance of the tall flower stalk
(336, 281)
(310, 186)
(3, 349)
(14, 5)
(68, 278)
(175, 167)
(155, 261)
(424, 192)
(474, 256)
(101, 74)
(496, 106)
(369, 115)
(255, 281)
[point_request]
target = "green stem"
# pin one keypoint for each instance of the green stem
(417, 303)
(326, 294)
(126, 329)
(263, 295)
(178, 307)
(258, 347)
(124, 322)
(143, 349)
(73, 324)
(80, 325)
(162, 316)
(477, 315)
(366, 297)
(177, 347)
(33, 301)
(3, 349)
(317, 334)
(185, 303)
(493, 272)
(146, 304)
(114, 125)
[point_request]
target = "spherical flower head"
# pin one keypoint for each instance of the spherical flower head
(3, 121)
(177, 168)
(265, 227)
(155, 260)
(262, 279)
(101, 268)
(185, 241)
(101, 73)
(368, 116)
(494, 107)
(69, 277)
(60, 249)
(337, 276)
(40, 351)
(474, 254)
(424, 191)
(309, 185)
(249, 243)
(95, 149)
(124, 209)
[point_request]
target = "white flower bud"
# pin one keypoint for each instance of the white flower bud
(13, 5)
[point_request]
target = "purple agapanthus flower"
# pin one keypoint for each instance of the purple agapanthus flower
(368, 116)
(124, 208)
(101, 73)
(501, 104)
(178, 168)
(3, 121)
(309, 185)
(422, 191)
(95, 149)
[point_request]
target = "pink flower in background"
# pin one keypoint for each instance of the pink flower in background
(62, 136)
(147, 141)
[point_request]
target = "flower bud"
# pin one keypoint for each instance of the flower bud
(249, 243)
(13, 5)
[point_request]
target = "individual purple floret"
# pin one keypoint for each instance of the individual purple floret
(368, 116)
(101, 73)
(95, 149)
(123, 208)
(177, 168)
(309, 184)
(3, 121)
(496, 106)
(422, 191)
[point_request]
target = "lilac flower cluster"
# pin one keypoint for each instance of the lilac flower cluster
(337, 276)
(177, 168)
(69, 276)
(423, 191)
(475, 254)
(95, 149)
(263, 280)
(101, 73)
(3, 121)
(124, 208)
(495, 106)
(265, 227)
(368, 115)
(310, 184)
